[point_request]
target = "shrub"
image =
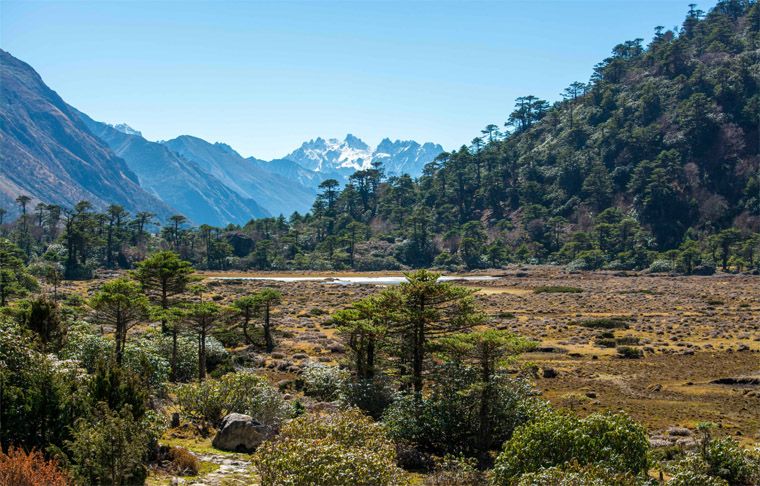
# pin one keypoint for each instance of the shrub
(39, 395)
(86, 345)
(628, 340)
(241, 392)
(142, 356)
(587, 260)
(614, 440)
(346, 448)
(18, 468)
(628, 352)
(605, 342)
(447, 420)
(456, 471)
(372, 396)
(556, 289)
(187, 354)
(661, 266)
(717, 462)
(605, 323)
(323, 382)
(183, 462)
(111, 447)
(576, 475)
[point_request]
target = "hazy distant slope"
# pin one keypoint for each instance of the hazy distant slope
(181, 183)
(248, 177)
(46, 151)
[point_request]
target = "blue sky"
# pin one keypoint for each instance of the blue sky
(266, 76)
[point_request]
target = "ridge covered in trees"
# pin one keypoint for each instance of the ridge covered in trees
(654, 161)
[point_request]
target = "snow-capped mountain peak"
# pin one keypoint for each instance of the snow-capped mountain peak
(352, 153)
(124, 128)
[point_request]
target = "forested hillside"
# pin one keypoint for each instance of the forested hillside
(657, 152)
(653, 162)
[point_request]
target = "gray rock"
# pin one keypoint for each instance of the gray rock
(239, 433)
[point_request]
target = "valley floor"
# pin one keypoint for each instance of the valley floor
(692, 330)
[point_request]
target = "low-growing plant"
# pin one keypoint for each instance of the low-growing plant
(605, 323)
(605, 342)
(613, 440)
(342, 449)
(323, 382)
(556, 289)
(629, 352)
(373, 396)
(576, 475)
(111, 447)
(628, 340)
(448, 419)
(183, 462)
(716, 462)
(456, 471)
(18, 468)
(241, 392)
(661, 266)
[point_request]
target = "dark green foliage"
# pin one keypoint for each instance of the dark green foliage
(37, 399)
(657, 152)
(577, 475)
(14, 279)
(628, 352)
(716, 461)
(448, 420)
(557, 289)
(111, 447)
(612, 440)
(118, 388)
(43, 317)
(605, 323)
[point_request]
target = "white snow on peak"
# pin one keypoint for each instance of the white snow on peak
(124, 128)
(327, 155)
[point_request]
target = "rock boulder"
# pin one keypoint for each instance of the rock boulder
(240, 433)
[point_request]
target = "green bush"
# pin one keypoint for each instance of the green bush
(628, 352)
(373, 396)
(241, 392)
(144, 355)
(629, 340)
(605, 323)
(614, 440)
(576, 475)
(111, 447)
(85, 344)
(556, 289)
(40, 396)
(717, 462)
(456, 471)
(661, 266)
(447, 420)
(343, 449)
(187, 354)
(605, 343)
(323, 382)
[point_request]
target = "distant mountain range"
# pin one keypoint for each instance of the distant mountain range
(59, 155)
(351, 154)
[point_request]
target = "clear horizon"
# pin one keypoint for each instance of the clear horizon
(266, 77)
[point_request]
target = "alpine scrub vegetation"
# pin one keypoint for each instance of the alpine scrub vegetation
(345, 448)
